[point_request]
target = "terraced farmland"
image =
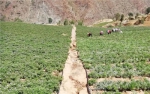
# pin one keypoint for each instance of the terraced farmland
(117, 62)
(32, 57)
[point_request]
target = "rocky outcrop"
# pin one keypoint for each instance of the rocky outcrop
(89, 11)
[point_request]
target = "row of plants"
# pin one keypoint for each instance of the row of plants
(29, 55)
(125, 70)
(113, 49)
(123, 86)
(121, 55)
(117, 92)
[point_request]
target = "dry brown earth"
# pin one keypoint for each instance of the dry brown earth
(74, 75)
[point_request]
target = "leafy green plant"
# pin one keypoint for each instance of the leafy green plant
(66, 22)
(122, 17)
(29, 55)
(121, 86)
(80, 22)
(130, 14)
(116, 55)
(117, 16)
(148, 10)
(18, 20)
(91, 82)
(50, 20)
(72, 22)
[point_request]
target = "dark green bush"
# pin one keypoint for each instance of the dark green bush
(117, 16)
(130, 14)
(148, 10)
(93, 75)
(50, 20)
(91, 82)
(80, 22)
(72, 22)
(66, 22)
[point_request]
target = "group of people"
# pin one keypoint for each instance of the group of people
(107, 31)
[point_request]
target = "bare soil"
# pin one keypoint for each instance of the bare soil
(74, 75)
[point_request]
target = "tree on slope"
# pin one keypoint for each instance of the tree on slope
(148, 10)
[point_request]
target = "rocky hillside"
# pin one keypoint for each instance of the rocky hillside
(89, 11)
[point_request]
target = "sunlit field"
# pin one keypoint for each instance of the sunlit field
(32, 57)
(117, 55)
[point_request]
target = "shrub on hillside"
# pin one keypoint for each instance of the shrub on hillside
(148, 10)
(117, 16)
(72, 22)
(136, 16)
(66, 22)
(80, 23)
(130, 14)
(122, 17)
(141, 21)
(50, 20)
(18, 20)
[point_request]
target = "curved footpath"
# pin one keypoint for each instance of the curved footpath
(74, 75)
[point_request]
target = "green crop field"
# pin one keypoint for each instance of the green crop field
(31, 57)
(118, 55)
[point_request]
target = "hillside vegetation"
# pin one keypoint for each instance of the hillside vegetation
(32, 57)
(89, 11)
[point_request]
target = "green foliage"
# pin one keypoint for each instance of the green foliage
(123, 86)
(50, 20)
(29, 55)
(117, 16)
(141, 21)
(148, 10)
(122, 17)
(116, 55)
(136, 16)
(59, 23)
(87, 66)
(72, 22)
(66, 22)
(112, 92)
(80, 23)
(130, 14)
(18, 20)
(91, 82)
(93, 75)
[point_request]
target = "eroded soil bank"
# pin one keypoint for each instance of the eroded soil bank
(74, 75)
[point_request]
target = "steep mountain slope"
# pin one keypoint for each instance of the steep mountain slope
(38, 11)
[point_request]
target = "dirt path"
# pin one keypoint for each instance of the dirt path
(74, 75)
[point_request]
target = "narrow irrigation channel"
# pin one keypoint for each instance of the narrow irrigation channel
(74, 75)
